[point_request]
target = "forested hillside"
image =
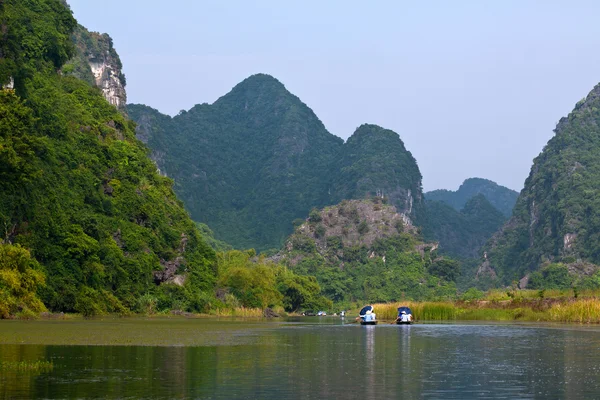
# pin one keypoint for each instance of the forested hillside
(259, 158)
(501, 197)
(365, 250)
(556, 221)
(87, 223)
(462, 233)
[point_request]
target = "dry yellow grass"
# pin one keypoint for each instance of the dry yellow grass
(585, 310)
(582, 311)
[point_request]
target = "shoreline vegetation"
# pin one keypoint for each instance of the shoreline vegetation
(570, 306)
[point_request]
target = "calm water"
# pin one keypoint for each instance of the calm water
(322, 360)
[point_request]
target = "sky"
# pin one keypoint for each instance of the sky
(473, 88)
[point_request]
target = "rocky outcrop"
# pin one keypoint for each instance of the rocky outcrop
(336, 231)
(169, 273)
(10, 84)
(97, 62)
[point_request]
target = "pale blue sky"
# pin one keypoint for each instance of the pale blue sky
(474, 88)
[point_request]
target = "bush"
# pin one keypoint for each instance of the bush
(363, 227)
(20, 278)
(314, 216)
(472, 294)
(320, 231)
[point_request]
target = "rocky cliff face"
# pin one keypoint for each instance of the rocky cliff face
(97, 62)
(557, 216)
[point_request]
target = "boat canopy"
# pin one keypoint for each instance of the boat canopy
(364, 310)
(406, 309)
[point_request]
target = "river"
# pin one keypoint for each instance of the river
(309, 358)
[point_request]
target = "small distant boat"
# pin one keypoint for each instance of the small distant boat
(405, 316)
(367, 316)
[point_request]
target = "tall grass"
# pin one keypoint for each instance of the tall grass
(582, 311)
(565, 309)
(426, 311)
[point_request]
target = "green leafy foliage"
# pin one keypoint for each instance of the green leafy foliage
(35, 34)
(259, 158)
(552, 276)
(256, 282)
(368, 260)
(462, 233)
(556, 217)
(20, 278)
(78, 190)
(94, 47)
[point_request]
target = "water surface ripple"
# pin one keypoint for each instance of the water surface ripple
(321, 360)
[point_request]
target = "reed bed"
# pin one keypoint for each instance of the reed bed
(582, 311)
(430, 311)
(585, 310)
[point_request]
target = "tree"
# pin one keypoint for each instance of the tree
(445, 268)
(20, 277)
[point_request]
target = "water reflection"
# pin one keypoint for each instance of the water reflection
(326, 361)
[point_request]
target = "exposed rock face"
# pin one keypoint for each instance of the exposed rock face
(10, 84)
(98, 63)
(348, 225)
(107, 76)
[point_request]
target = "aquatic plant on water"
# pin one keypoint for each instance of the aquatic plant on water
(26, 366)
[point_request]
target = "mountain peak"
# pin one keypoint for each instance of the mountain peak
(260, 93)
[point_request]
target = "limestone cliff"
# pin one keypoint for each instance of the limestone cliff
(96, 61)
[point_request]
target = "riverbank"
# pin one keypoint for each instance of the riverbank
(571, 310)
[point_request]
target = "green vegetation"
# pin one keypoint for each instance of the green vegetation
(27, 366)
(20, 277)
(79, 192)
(375, 162)
(502, 198)
(358, 251)
(259, 158)
(522, 305)
(462, 233)
(252, 281)
(95, 47)
(556, 217)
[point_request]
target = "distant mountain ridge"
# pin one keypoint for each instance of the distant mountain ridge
(259, 158)
(462, 233)
(501, 197)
